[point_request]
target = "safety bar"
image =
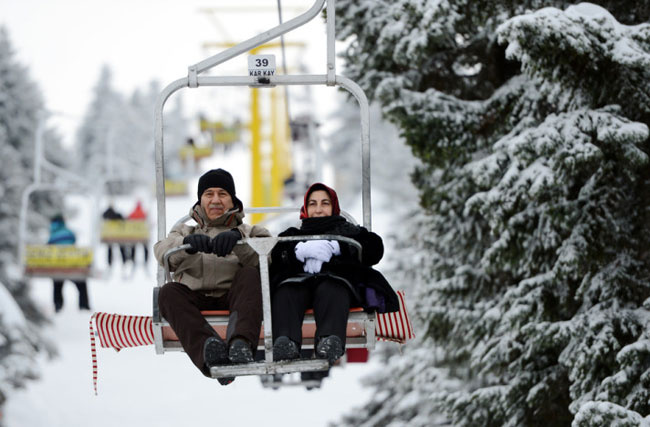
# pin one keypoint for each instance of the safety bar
(172, 251)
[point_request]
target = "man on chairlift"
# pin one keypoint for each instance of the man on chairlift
(214, 274)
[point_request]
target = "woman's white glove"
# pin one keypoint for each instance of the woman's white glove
(312, 265)
(315, 252)
(322, 250)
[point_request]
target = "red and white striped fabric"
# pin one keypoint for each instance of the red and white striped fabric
(118, 331)
(395, 326)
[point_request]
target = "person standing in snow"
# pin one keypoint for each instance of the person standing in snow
(215, 274)
(111, 214)
(138, 214)
(61, 235)
(325, 275)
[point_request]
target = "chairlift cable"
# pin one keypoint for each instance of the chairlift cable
(284, 64)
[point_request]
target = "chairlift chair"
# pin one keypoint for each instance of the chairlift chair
(175, 187)
(194, 153)
(124, 231)
(361, 325)
(59, 262)
(220, 133)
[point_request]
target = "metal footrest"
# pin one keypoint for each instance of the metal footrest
(261, 368)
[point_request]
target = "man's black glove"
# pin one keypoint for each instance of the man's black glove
(199, 242)
(223, 243)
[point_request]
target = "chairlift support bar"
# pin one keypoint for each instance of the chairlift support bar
(172, 251)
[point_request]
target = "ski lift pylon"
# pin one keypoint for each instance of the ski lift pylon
(263, 246)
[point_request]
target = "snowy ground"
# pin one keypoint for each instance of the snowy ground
(139, 388)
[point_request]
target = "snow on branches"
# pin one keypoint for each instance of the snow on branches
(532, 127)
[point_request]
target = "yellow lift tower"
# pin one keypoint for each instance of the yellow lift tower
(271, 155)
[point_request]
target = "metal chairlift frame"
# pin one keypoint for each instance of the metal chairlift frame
(263, 246)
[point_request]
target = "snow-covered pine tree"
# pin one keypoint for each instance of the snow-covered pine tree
(117, 134)
(20, 106)
(175, 133)
(391, 160)
(531, 123)
(136, 137)
(98, 139)
(343, 149)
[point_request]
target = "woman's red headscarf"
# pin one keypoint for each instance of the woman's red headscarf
(336, 210)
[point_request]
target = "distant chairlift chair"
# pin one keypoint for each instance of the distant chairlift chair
(59, 262)
(124, 231)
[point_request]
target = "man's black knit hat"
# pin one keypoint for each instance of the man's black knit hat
(222, 179)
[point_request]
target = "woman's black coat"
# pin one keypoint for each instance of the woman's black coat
(365, 282)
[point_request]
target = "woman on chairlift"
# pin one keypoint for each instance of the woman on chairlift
(325, 275)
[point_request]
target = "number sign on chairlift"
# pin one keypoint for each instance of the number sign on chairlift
(261, 65)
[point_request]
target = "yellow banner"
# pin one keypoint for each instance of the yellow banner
(221, 133)
(58, 256)
(226, 136)
(117, 230)
(175, 188)
(195, 152)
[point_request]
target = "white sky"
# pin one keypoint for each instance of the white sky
(64, 43)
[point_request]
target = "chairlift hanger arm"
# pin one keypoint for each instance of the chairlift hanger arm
(338, 238)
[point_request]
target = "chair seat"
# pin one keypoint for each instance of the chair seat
(61, 273)
(218, 319)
